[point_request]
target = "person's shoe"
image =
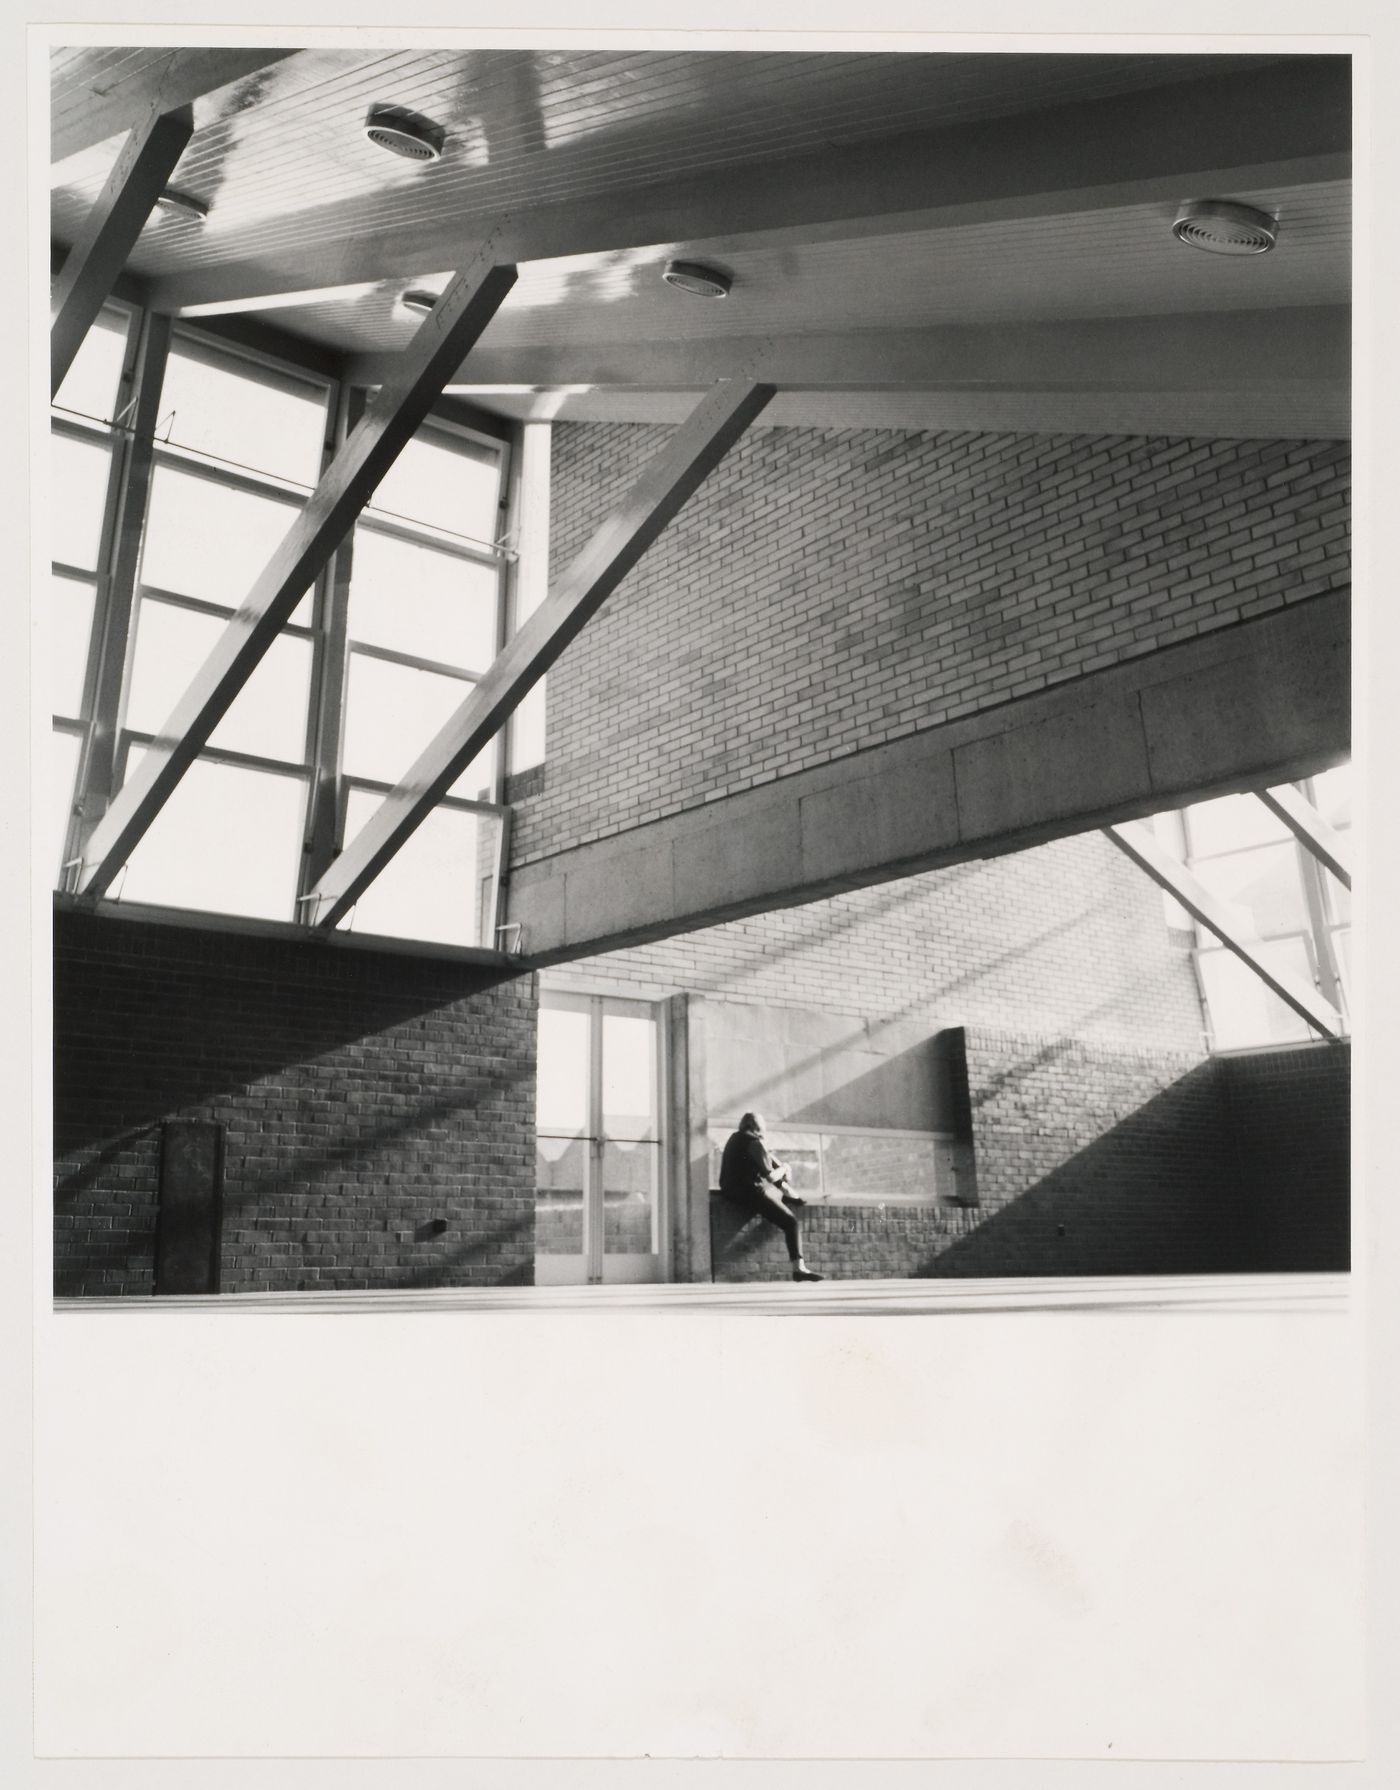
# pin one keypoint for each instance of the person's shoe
(794, 1199)
(805, 1274)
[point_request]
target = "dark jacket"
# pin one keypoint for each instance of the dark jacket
(745, 1166)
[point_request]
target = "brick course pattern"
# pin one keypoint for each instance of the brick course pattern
(1290, 1114)
(1068, 937)
(827, 590)
(365, 1099)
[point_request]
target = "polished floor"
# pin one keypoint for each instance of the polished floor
(1322, 1293)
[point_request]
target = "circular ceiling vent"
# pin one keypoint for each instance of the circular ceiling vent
(417, 300)
(405, 133)
(696, 279)
(1223, 227)
(181, 207)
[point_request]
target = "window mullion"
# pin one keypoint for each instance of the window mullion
(1324, 954)
(114, 608)
(325, 806)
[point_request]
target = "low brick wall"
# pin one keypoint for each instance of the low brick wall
(1091, 1161)
(377, 1110)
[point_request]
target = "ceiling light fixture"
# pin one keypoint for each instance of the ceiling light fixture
(697, 279)
(182, 207)
(1224, 227)
(405, 133)
(418, 301)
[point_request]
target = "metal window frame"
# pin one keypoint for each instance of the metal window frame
(302, 555)
(1137, 842)
(1293, 814)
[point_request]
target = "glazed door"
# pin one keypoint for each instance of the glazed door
(599, 1207)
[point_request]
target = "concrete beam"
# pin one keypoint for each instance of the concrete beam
(1138, 844)
(1149, 147)
(673, 476)
(1300, 347)
(109, 232)
(83, 116)
(344, 489)
(1266, 701)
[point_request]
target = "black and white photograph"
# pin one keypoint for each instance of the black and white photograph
(686, 681)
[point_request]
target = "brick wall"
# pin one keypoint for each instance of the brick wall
(366, 1099)
(1095, 1161)
(1290, 1115)
(832, 589)
(1065, 938)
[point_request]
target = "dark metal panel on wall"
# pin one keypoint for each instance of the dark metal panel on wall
(190, 1215)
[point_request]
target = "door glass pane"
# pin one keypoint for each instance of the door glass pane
(252, 416)
(90, 385)
(267, 717)
(1243, 1011)
(393, 711)
(561, 1067)
(228, 841)
(415, 600)
(629, 1076)
(63, 772)
(559, 1172)
(630, 1183)
(1265, 883)
(79, 497)
(209, 541)
(438, 885)
(444, 481)
(71, 603)
(1230, 823)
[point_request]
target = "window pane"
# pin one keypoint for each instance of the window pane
(447, 482)
(1243, 1011)
(206, 540)
(91, 384)
(413, 600)
(561, 1069)
(801, 1151)
(391, 714)
(631, 1182)
(228, 841)
(438, 885)
(252, 416)
(884, 1167)
(1230, 823)
(80, 471)
(63, 772)
(1266, 883)
(559, 1171)
(629, 1084)
(268, 716)
(527, 736)
(70, 629)
(1332, 795)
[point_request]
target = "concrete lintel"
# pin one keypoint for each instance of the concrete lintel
(1047, 766)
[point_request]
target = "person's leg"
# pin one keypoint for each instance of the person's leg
(769, 1206)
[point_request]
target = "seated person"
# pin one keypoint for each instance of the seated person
(756, 1180)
